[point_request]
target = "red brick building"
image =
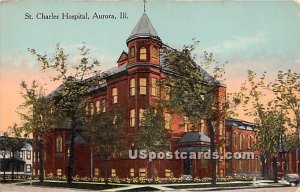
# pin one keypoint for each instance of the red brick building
(287, 162)
(240, 138)
(132, 85)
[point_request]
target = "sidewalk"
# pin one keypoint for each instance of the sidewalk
(169, 187)
(159, 187)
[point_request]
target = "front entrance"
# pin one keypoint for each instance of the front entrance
(187, 166)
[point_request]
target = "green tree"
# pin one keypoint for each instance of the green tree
(105, 130)
(193, 91)
(286, 88)
(39, 116)
(152, 135)
(77, 81)
(270, 132)
(269, 117)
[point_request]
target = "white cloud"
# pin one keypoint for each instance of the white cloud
(237, 43)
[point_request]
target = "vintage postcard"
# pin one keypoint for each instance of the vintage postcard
(119, 93)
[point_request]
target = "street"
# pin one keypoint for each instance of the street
(18, 188)
(274, 189)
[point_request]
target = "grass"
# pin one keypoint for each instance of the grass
(88, 186)
(11, 181)
(208, 185)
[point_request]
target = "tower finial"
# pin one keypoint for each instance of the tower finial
(145, 6)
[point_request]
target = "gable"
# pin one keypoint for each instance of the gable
(123, 57)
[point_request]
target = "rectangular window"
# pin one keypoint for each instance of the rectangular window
(87, 110)
(227, 138)
(132, 118)
(115, 119)
(236, 163)
(21, 154)
(186, 124)
(168, 173)
(132, 87)
(113, 173)
(167, 92)
(143, 54)
(92, 108)
(59, 144)
(103, 105)
(143, 86)
(154, 87)
(68, 152)
(167, 120)
(142, 172)
(97, 106)
(252, 165)
(114, 93)
(58, 172)
(222, 173)
(28, 168)
(202, 126)
(221, 128)
(131, 172)
(141, 116)
(241, 164)
(96, 172)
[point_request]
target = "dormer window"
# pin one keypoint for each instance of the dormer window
(143, 54)
(132, 52)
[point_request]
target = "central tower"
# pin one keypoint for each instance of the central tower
(143, 43)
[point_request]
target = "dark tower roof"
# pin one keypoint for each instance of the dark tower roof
(143, 29)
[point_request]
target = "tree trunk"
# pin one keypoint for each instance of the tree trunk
(263, 162)
(70, 168)
(274, 166)
(41, 159)
(266, 164)
(212, 150)
(4, 167)
(13, 166)
(152, 171)
(285, 164)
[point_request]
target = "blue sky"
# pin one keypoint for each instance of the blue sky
(257, 35)
(253, 29)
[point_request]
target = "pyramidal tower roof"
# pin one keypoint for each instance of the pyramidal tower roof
(143, 29)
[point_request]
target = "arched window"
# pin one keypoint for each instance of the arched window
(250, 142)
(143, 54)
(234, 139)
(241, 141)
(155, 53)
(59, 144)
(132, 52)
